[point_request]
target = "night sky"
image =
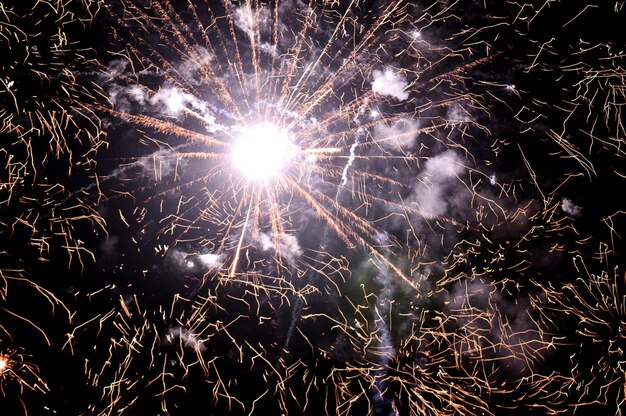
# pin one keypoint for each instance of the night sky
(289, 207)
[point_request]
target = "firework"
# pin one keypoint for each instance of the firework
(308, 206)
(278, 138)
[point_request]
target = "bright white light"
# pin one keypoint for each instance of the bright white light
(3, 364)
(262, 151)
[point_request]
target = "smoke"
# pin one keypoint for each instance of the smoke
(344, 174)
(193, 68)
(433, 194)
(402, 133)
(288, 245)
(117, 67)
(495, 326)
(384, 349)
(390, 83)
(269, 49)
(192, 260)
(109, 249)
(123, 98)
(211, 260)
(172, 101)
(168, 101)
(187, 337)
(179, 259)
(570, 208)
(250, 21)
(457, 113)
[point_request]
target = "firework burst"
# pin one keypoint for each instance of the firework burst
(307, 206)
(268, 113)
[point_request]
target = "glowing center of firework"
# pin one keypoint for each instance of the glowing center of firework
(262, 151)
(3, 364)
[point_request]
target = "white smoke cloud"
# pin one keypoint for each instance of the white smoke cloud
(439, 175)
(401, 133)
(443, 166)
(192, 68)
(192, 260)
(390, 83)
(171, 101)
(344, 174)
(570, 208)
(269, 49)
(124, 98)
(188, 338)
(117, 67)
(179, 259)
(288, 245)
(457, 113)
(211, 260)
(167, 101)
(250, 20)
